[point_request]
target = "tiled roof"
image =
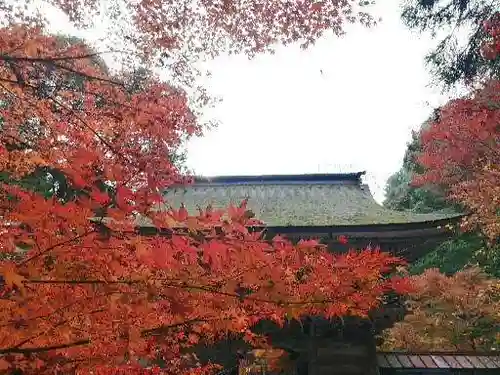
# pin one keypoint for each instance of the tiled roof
(438, 360)
(296, 200)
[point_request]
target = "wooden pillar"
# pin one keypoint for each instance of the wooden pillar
(312, 349)
(350, 352)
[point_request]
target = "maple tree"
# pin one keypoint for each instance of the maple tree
(491, 46)
(449, 313)
(98, 275)
(469, 248)
(460, 153)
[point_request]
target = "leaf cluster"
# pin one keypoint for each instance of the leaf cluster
(449, 313)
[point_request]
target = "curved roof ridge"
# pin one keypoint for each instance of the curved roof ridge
(308, 178)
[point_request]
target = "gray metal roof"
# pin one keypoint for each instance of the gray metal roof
(296, 200)
(439, 360)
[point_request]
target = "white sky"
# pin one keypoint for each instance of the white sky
(280, 114)
(346, 104)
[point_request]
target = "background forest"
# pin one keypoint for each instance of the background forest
(452, 64)
(453, 164)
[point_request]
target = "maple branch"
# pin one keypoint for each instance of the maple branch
(88, 76)
(249, 297)
(46, 250)
(86, 125)
(78, 282)
(39, 349)
(159, 329)
(151, 331)
(78, 117)
(8, 80)
(6, 57)
(39, 334)
(45, 316)
(184, 286)
(116, 103)
(52, 61)
(60, 323)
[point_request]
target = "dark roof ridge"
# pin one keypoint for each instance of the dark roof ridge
(308, 178)
(442, 352)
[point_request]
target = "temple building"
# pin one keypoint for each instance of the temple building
(321, 206)
(325, 206)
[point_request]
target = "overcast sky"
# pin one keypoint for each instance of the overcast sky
(346, 104)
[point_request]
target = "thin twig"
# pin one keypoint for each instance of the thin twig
(6, 57)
